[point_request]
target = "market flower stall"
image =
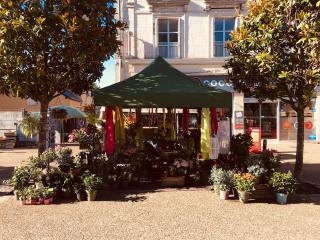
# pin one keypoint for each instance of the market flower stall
(169, 97)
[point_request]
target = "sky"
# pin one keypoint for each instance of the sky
(108, 76)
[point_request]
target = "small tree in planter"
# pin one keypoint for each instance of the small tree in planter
(245, 185)
(91, 183)
(283, 184)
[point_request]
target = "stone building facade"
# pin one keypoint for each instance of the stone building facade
(191, 35)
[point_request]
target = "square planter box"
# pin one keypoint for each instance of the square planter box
(173, 182)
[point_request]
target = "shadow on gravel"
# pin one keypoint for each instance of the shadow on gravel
(5, 173)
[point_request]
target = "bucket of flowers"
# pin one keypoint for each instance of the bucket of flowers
(245, 183)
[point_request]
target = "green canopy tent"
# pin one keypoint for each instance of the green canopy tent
(160, 85)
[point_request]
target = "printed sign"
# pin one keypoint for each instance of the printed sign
(255, 133)
(239, 120)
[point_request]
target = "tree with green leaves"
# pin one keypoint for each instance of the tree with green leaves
(276, 55)
(49, 46)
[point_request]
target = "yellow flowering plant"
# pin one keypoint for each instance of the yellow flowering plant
(245, 182)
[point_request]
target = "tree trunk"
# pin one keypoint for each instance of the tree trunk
(43, 128)
(300, 144)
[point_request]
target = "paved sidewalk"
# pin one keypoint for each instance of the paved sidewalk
(311, 167)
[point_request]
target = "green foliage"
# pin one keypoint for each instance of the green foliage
(275, 51)
(20, 178)
(29, 125)
(48, 47)
(245, 182)
(275, 55)
(239, 146)
(283, 182)
(222, 178)
(33, 193)
(91, 182)
(257, 170)
(47, 192)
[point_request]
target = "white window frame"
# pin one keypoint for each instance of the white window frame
(225, 51)
(168, 35)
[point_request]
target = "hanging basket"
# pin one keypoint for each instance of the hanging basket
(59, 114)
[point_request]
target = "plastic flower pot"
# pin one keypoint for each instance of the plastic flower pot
(244, 196)
(47, 201)
(224, 195)
(91, 195)
(216, 189)
(282, 198)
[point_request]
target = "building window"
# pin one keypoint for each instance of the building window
(168, 38)
(222, 30)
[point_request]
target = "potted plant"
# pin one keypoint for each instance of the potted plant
(33, 195)
(257, 171)
(65, 159)
(47, 194)
(67, 186)
(245, 185)
(20, 180)
(226, 182)
(23, 196)
(283, 184)
(215, 179)
(78, 189)
(77, 166)
(91, 183)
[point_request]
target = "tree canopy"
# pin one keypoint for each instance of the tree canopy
(276, 55)
(49, 46)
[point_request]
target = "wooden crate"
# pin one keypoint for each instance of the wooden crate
(173, 181)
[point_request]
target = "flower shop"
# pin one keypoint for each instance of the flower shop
(167, 119)
(160, 128)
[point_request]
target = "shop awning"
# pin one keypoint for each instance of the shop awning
(71, 111)
(161, 85)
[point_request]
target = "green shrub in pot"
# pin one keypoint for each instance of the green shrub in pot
(283, 184)
(91, 183)
(215, 179)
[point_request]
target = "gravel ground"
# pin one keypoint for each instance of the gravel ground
(162, 214)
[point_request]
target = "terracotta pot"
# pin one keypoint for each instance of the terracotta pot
(224, 195)
(51, 200)
(244, 196)
(92, 195)
(23, 202)
(47, 201)
(33, 201)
